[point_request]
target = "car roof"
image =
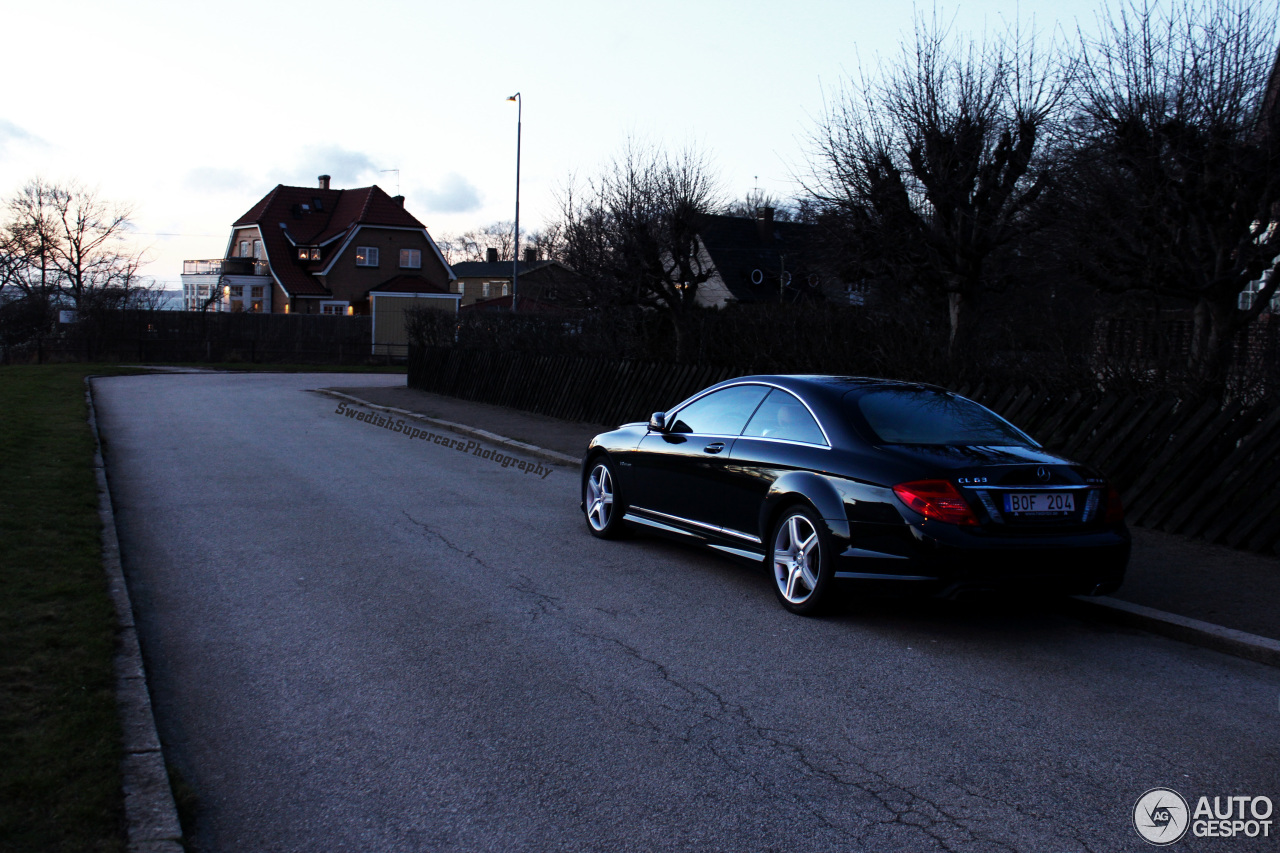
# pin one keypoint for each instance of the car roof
(826, 386)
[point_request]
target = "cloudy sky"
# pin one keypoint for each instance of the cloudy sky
(191, 112)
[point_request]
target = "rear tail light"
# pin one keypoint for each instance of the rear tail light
(1115, 507)
(937, 500)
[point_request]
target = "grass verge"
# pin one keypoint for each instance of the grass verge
(60, 786)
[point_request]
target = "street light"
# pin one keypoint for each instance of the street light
(515, 252)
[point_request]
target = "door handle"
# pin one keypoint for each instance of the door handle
(714, 447)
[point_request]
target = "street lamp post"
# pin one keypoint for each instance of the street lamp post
(515, 251)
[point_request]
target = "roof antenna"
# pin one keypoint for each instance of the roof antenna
(397, 171)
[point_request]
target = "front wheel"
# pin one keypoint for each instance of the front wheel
(600, 501)
(801, 562)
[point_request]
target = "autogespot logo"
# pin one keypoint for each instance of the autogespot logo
(1160, 816)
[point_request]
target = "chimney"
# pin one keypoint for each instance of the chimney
(324, 182)
(530, 256)
(398, 199)
(764, 223)
(491, 255)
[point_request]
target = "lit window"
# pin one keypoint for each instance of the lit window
(302, 253)
(338, 308)
(366, 256)
(410, 259)
(257, 308)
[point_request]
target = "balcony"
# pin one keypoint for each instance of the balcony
(226, 266)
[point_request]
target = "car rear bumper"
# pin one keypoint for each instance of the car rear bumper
(951, 563)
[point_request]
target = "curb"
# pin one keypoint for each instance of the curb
(1229, 641)
(151, 817)
(1193, 631)
(463, 429)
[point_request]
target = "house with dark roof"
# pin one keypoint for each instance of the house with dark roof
(756, 260)
(489, 281)
(318, 250)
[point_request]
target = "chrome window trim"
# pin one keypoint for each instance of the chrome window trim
(706, 391)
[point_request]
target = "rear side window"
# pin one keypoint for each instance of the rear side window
(723, 412)
(783, 416)
(926, 416)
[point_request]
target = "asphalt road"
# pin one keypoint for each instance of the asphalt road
(361, 641)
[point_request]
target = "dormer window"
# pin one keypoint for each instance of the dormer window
(308, 253)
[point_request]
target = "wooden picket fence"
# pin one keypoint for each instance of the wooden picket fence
(1189, 466)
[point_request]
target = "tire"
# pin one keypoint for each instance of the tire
(801, 562)
(600, 500)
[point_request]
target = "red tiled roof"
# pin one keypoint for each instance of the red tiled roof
(408, 284)
(314, 216)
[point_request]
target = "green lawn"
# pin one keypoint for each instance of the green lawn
(59, 731)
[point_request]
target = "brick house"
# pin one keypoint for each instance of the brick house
(317, 250)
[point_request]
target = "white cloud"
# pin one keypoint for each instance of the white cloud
(10, 133)
(454, 194)
(346, 168)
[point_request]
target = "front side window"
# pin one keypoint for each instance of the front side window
(410, 259)
(257, 249)
(256, 291)
(244, 248)
(366, 256)
(484, 289)
(928, 416)
(237, 291)
(333, 307)
(783, 416)
(723, 412)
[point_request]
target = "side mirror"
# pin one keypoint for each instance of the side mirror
(658, 422)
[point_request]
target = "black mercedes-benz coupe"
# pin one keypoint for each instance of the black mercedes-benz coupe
(837, 480)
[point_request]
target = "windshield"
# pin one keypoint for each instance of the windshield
(930, 416)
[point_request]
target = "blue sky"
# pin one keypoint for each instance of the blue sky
(192, 112)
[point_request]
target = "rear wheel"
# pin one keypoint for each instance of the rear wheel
(600, 500)
(801, 562)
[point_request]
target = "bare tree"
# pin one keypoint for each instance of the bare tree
(750, 205)
(632, 231)
(926, 171)
(473, 245)
(1175, 187)
(66, 244)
